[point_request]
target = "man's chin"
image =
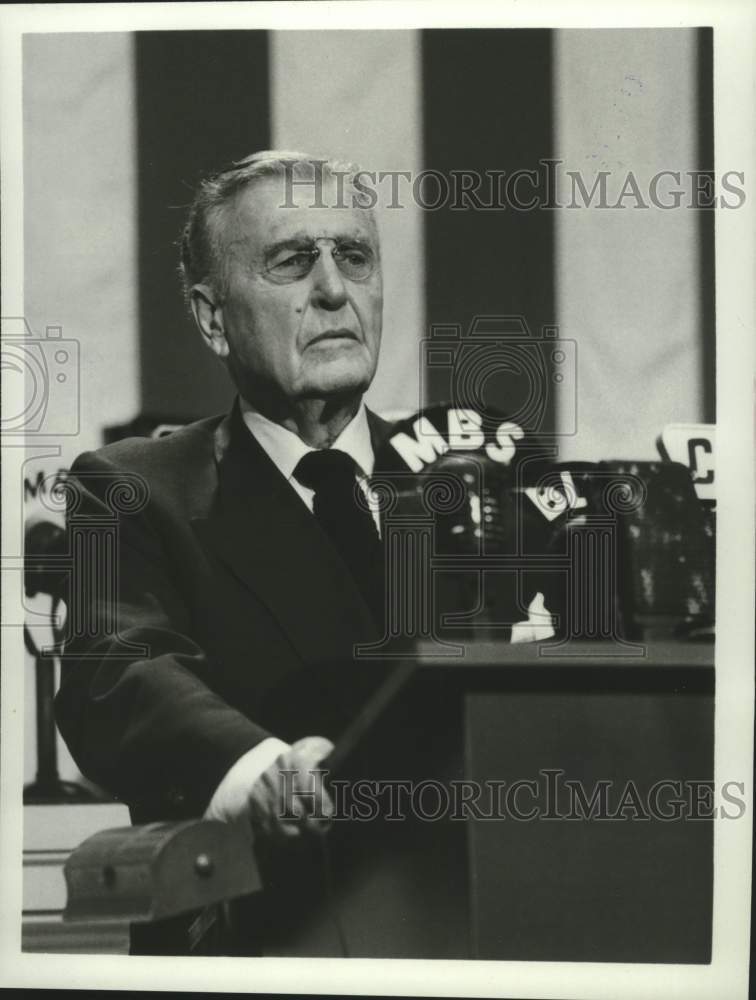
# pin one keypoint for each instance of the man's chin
(337, 378)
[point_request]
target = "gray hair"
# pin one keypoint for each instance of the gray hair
(201, 244)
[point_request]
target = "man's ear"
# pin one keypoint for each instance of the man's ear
(208, 315)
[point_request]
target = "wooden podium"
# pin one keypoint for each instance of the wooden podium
(547, 888)
(599, 889)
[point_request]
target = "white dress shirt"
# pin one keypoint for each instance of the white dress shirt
(286, 449)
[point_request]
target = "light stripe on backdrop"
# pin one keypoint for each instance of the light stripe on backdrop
(80, 229)
(632, 284)
(80, 261)
(355, 95)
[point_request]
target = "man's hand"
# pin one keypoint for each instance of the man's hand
(282, 800)
(287, 798)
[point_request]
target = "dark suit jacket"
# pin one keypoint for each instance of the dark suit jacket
(249, 618)
(248, 614)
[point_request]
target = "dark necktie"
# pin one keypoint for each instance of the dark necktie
(337, 507)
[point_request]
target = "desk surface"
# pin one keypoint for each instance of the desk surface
(491, 653)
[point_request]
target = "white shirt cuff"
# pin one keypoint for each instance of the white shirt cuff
(539, 625)
(231, 797)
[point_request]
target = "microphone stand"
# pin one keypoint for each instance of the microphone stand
(44, 544)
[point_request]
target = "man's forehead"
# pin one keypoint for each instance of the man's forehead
(271, 202)
(267, 213)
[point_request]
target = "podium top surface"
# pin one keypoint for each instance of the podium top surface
(491, 653)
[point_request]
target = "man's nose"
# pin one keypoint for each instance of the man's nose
(328, 290)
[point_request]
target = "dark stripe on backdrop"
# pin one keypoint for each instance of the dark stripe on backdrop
(705, 77)
(202, 101)
(487, 100)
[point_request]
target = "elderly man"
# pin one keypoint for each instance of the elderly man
(254, 567)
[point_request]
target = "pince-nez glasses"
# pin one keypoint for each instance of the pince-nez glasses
(293, 261)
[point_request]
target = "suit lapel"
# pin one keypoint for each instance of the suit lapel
(264, 533)
(380, 430)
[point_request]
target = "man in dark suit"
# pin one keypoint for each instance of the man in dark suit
(252, 570)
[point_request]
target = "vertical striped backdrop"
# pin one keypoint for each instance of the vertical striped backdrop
(117, 128)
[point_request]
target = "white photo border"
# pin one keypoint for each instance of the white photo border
(734, 25)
